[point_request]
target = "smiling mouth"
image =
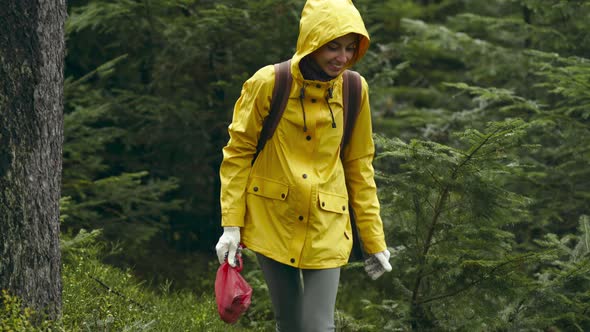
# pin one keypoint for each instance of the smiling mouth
(334, 68)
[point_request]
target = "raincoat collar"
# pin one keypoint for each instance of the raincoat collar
(323, 21)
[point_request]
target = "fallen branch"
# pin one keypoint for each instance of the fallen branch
(114, 291)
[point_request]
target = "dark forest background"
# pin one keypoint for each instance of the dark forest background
(481, 117)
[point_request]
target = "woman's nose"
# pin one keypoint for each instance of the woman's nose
(342, 56)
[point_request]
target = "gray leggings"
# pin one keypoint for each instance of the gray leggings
(302, 300)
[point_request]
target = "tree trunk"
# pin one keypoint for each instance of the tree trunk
(32, 51)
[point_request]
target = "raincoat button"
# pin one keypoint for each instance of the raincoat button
(283, 196)
(318, 86)
(343, 208)
(292, 260)
(300, 217)
(304, 176)
(308, 138)
(323, 203)
(255, 188)
(314, 100)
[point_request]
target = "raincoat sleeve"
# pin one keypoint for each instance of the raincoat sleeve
(360, 179)
(249, 111)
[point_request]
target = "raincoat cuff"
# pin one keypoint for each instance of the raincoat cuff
(374, 245)
(232, 220)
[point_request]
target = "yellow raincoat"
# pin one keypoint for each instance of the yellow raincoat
(292, 204)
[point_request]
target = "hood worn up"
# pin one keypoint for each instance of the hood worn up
(323, 21)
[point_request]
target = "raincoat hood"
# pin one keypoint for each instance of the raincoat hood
(323, 21)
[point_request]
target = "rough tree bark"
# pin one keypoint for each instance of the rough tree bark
(32, 48)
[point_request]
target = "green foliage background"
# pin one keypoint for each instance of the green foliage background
(481, 113)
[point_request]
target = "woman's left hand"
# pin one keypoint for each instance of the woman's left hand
(377, 264)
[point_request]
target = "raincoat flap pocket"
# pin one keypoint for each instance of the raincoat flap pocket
(333, 202)
(268, 188)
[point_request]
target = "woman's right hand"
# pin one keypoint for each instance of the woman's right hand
(227, 245)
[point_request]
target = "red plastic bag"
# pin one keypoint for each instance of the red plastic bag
(232, 292)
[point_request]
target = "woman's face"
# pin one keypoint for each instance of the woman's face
(333, 56)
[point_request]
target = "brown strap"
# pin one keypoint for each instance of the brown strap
(351, 99)
(280, 96)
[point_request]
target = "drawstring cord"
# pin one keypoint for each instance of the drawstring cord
(301, 97)
(329, 96)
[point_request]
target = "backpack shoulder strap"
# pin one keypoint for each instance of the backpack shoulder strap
(351, 99)
(280, 96)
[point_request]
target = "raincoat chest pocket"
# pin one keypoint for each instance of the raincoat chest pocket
(268, 188)
(333, 202)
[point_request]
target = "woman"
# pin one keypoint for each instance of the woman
(291, 205)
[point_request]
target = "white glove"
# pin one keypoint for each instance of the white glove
(377, 264)
(227, 245)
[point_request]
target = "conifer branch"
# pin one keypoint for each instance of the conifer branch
(434, 177)
(485, 277)
(473, 153)
(437, 212)
(418, 212)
